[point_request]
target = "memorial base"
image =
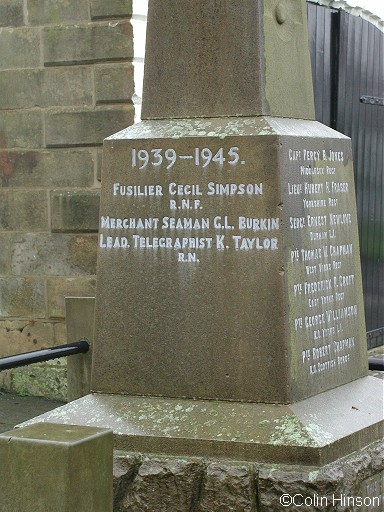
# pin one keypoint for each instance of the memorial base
(324, 453)
(183, 484)
(315, 431)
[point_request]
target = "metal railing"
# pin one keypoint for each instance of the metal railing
(82, 346)
(45, 354)
(376, 363)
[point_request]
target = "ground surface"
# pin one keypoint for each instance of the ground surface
(16, 409)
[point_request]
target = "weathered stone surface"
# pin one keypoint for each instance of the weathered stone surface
(20, 48)
(377, 454)
(41, 380)
(371, 493)
(22, 297)
(11, 13)
(111, 9)
(18, 336)
(298, 484)
(56, 254)
(4, 253)
(99, 164)
(75, 211)
(46, 12)
(60, 334)
(88, 127)
(308, 432)
(55, 168)
(164, 485)
(363, 470)
(125, 468)
(327, 488)
(141, 479)
(23, 210)
(60, 287)
(239, 222)
(47, 47)
(79, 324)
(114, 83)
(52, 467)
(240, 60)
(28, 88)
(81, 44)
(20, 88)
(21, 129)
(228, 487)
(66, 87)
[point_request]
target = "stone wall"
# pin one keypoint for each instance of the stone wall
(67, 81)
(146, 483)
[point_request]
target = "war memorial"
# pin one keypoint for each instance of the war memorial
(229, 351)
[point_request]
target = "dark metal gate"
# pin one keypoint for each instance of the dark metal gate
(347, 56)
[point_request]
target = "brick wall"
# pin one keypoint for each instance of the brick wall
(66, 81)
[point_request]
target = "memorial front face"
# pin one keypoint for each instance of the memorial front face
(228, 262)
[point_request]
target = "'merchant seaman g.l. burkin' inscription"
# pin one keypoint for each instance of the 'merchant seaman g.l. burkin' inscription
(228, 262)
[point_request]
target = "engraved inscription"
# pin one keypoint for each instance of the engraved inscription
(321, 256)
(187, 220)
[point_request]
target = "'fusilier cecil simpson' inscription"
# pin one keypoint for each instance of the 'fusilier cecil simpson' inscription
(197, 216)
(321, 256)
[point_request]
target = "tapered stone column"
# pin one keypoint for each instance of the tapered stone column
(227, 59)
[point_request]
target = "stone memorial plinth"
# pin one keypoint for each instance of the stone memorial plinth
(229, 317)
(234, 249)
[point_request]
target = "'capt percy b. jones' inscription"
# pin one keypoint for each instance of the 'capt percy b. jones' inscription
(193, 217)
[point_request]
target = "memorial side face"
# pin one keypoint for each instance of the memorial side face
(322, 258)
(228, 262)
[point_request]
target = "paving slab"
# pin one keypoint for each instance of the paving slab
(17, 409)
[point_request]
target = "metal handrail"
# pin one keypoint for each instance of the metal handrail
(82, 346)
(376, 363)
(45, 354)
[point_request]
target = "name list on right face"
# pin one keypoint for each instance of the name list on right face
(322, 255)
